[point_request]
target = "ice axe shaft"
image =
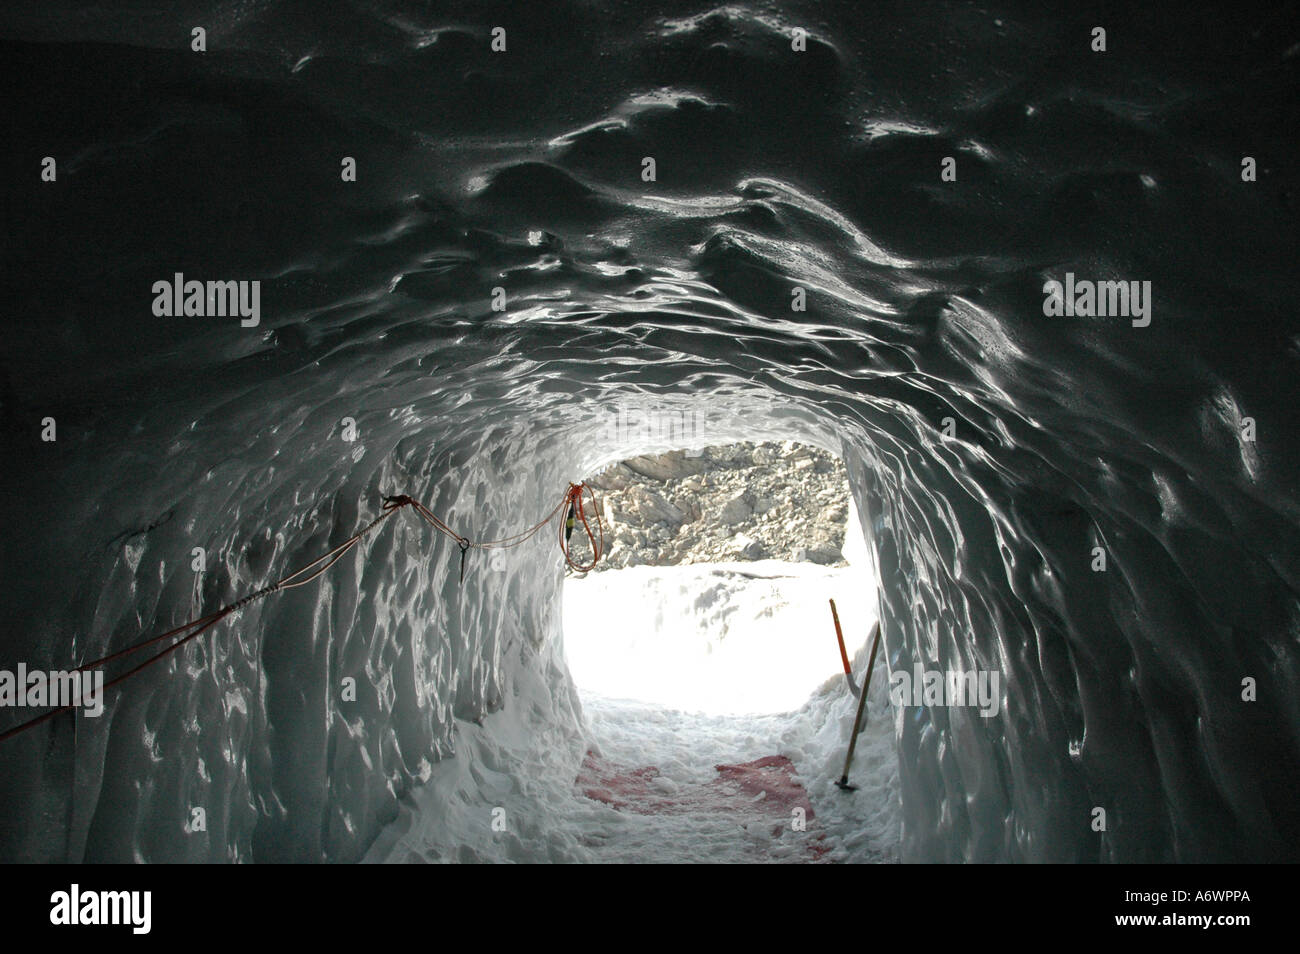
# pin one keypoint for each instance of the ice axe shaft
(857, 719)
(844, 654)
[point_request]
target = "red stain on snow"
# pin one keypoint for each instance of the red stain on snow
(763, 791)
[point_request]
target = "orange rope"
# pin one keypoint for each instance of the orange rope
(572, 496)
(506, 543)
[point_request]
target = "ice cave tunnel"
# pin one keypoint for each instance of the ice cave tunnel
(1104, 512)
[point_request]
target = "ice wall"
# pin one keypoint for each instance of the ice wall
(665, 302)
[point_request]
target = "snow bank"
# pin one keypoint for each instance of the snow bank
(722, 638)
(510, 795)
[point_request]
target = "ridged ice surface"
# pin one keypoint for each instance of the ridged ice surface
(775, 169)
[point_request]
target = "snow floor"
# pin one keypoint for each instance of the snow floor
(639, 781)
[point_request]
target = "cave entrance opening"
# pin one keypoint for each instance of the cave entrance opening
(712, 595)
(705, 658)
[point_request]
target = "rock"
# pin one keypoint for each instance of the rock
(671, 466)
(642, 507)
(728, 453)
(736, 502)
(824, 554)
(613, 478)
(737, 509)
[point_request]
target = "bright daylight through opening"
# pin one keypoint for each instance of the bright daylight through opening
(709, 664)
(713, 595)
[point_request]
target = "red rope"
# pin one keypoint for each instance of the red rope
(572, 497)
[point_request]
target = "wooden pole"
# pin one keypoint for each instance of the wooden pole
(862, 704)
